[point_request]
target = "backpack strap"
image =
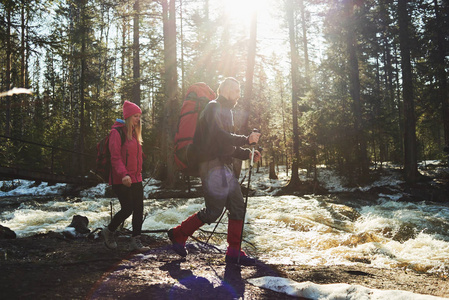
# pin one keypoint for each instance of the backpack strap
(122, 134)
(122, 138)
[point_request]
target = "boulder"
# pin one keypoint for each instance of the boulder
(6, 233)
(77, 228)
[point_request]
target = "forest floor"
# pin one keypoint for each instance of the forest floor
(52, 267)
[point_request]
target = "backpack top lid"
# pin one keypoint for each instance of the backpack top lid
(200, 90)
(197, 96)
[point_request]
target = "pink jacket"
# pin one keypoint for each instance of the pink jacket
(126, 159)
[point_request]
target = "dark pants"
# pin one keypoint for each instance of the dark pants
(221, 189)
(131, 202)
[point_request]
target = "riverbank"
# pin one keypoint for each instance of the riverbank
(52, 267)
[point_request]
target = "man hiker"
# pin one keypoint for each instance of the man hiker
(216, 144)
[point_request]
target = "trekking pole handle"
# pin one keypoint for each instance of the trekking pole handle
(252, 157)
(253, 148)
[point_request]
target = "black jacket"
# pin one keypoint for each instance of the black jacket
(214, 135)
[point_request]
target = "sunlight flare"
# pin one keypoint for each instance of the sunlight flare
(241, 10)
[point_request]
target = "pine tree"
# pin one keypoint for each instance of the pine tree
(410, 149)
(171, 89)
(294, 57)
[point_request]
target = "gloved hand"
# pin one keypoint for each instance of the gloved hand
(253, 138)
(257, 156)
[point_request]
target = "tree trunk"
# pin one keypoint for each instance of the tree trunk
(389, 78)
(22, 47)
(171, 89)
(249, 77)
(249, 80)
(400, 107)
(410, 149)
(272, 174)
(181, 25)
(82, 128)
(305, 45)
(284, 128)
(74, 71)
(22, 82)
(8, 71)
(442, 76)
(294, 180)
(123, 56)
(136, 55)
(354, 90)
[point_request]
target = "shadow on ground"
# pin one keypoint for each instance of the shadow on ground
(161, 274)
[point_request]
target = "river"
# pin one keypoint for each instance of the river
(301, 230)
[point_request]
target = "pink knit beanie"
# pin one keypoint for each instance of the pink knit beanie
(130, 109)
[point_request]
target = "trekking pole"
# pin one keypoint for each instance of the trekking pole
(148, 181)
(216, 225)
(247, 194)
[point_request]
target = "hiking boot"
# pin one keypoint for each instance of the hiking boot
(244, 259)
(136, 244)
(179, 235)
(177, 247)
(108, 238)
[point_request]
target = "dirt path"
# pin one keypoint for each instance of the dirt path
(51, 267)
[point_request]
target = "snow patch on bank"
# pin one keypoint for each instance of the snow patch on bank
(96, 191)
(311, 290)
(19, 187)
(30, 188)
(260, 182)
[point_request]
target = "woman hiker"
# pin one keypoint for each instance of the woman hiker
(216, 145)
(126, 176)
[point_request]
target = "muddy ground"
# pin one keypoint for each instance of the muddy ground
(52, 267)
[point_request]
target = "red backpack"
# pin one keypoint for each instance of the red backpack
(197, 96)
(103, 162)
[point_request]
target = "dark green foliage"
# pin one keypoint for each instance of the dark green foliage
(77, 58)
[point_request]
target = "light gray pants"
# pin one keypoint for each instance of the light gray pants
(221, 189)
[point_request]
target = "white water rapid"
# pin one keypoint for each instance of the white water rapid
(308, 230)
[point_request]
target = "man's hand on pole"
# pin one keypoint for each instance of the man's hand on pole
(256, 156)
(254, 138)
